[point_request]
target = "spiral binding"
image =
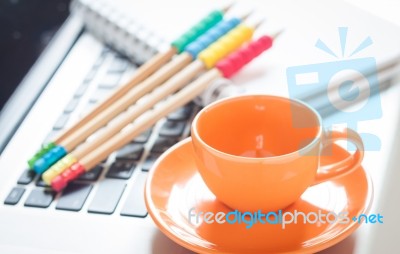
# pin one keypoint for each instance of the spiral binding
(118, 31)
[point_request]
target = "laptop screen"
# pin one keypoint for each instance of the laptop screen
(26, 28)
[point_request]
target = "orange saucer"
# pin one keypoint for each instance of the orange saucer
(174, 187)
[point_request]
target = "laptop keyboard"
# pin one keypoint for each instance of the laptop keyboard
(117, 183)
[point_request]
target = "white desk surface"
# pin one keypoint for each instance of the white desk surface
(372, 239)
(376, 164)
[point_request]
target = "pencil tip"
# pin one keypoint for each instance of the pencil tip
(258, 23)
(277, 34)
(228, 7)
(246, 15)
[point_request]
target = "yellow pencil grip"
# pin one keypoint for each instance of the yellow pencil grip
(58, 168)
(226, 45)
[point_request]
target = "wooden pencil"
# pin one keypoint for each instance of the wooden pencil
(141, 74)
(172, 103)
(127, 100)
(208, 57)
(226, 68)
(127, 117)
(211, 55)
(225, 45)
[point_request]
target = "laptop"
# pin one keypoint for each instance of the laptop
(104, 210)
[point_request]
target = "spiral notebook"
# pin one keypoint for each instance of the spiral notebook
(118, 30)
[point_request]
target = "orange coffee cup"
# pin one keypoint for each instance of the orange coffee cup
(260, 152)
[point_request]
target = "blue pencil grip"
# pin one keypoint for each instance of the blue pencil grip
(211, 36)
(49, 159)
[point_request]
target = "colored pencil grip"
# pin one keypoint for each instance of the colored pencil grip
(205, 24)
(211, 36)
(227, 44)
(193, 48)
(58, 168)
(45, 149)
(49, 159)
(73, 172)
(243, 56)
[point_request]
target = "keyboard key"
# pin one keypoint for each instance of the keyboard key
(106, 51)
(99, 95)
(118, 64)
(121, 169)
(162, 144)
(90, 75)
(50, 137)
(14, 196)
(27, 177)
(135, 205)
(92, 175)
(172, 129)
(99, 60)
(81, 90)
(144, 137)
(40, 182)
(89, 106)
(130, 152)
(40, 198)
(110, 81)
(182, 113)
(71, 106)
(107, 196)
(61, 121)
(148, 163)
(74, 196)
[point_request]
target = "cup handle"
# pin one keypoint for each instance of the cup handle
(347, 165)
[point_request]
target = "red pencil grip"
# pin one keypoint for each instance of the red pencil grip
(70, 174)
(235, 61)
